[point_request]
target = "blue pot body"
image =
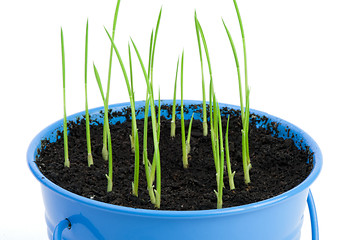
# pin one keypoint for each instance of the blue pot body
(278, 218)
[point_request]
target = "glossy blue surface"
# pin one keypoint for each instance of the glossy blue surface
(278, 218)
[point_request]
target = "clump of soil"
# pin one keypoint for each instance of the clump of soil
(277, 164)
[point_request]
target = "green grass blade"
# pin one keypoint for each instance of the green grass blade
(205, 126)
(184, 147)
(228, 161)
(156, 145)
(221, 163)
(110, 162)
(134, 128)
(135, 183)
(97, 77)
(247, 131)
(154, 43)
(238, 70)
(107, 129)
(172, 131)
(145, 153)
(150, 53)
(188, 146)
(154, 163)
(244, 43)
(65, 126)
(149, 168)
(111, 47)
(247, 179)
(131, 71)
(105, 151)
(246, 119)
(159, 114)
(205, 49)
(130, 92)
(88, 141)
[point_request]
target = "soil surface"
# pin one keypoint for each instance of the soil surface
(277, 164)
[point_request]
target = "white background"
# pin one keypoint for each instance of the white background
(304, 61)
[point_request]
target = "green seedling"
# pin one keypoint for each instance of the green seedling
(244, 111)
(88, 141)
(172, 130)
(211, 91)
(221, 162)
(184, 148)
(154, 164)
(159, 114)
(154, 44)
(188, 142)
(146, 162)
(131, 98)
(146, 110)
(131, 73)
(154, 128)
(228, 160)
(132, 102)
(104, 150)
(218, 150)
(238, 70)
(150, 74)
(205, 126)
(109, 176)
(65, 126)
(135, 183)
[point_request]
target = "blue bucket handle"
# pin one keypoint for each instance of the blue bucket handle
(60, 228)
(311, 207)
(313, 216)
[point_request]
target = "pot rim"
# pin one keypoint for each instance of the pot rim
(317, 161)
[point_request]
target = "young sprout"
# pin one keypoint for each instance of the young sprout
(221, 162)
(159, 114)
(132, 102)
(228, 160)
(104, 150)
(184, 148)
(211, 93)
(244, 155)
(244, 112)
(154, 164)
(238, 70)
(154, 128)
(135, 183)
(132, 136)
(188, 142)
(218, 150)
(172, 129)
(90, 157)
(215, 136)
(109, 176)
(146, 162)
(65, 126)
(154, 43)
(205, 127)
(146, 109)
(150, 74)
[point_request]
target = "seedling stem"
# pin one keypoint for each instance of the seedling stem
(88, 141)
(65, 126)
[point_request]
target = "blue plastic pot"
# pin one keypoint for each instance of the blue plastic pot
(69, 216)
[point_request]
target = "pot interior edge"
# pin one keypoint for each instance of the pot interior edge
(285, 130)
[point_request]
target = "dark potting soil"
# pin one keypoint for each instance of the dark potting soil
(277, 164)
